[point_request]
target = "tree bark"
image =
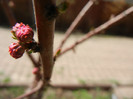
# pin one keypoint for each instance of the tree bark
(45, 27)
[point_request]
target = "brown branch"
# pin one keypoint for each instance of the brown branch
(44, 12)
(39, 86)
(100, 28)
(76, 21)
(35, 63)
(83, 86)
(37, 78)
(40, 93)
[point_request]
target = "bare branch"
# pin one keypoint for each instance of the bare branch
(35, 63)
(76, 21)
(39, 86)
(100, 28)
(45, 12)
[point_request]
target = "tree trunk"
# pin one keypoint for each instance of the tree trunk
(45, 28)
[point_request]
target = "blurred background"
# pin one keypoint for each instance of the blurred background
(98, 14)
(100, 68)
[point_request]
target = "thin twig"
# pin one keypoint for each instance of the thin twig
(39, 86)
(76, 21)
(35, 63)
(99, 29)
(41, 93)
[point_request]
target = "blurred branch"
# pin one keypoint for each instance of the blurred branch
(8, 12)
(35, 63)
(99, 29)
(75, 22)
(37, 88)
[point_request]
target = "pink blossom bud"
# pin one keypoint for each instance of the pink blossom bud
(17, 25)
(35, 70)
(24, 34)
(16, 50)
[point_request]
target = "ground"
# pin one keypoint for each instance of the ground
(58, 93)
(99, 60)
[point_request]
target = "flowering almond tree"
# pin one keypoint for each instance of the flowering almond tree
(46, 12)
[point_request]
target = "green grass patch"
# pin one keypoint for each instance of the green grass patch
(77, 94)
(11, 92)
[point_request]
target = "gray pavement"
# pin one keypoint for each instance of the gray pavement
(99, 60)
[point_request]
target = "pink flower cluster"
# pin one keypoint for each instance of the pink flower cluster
(24, 34)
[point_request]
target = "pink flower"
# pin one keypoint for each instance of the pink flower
(24, 34)
(17, 25)
(35, 70)
(16, 50)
